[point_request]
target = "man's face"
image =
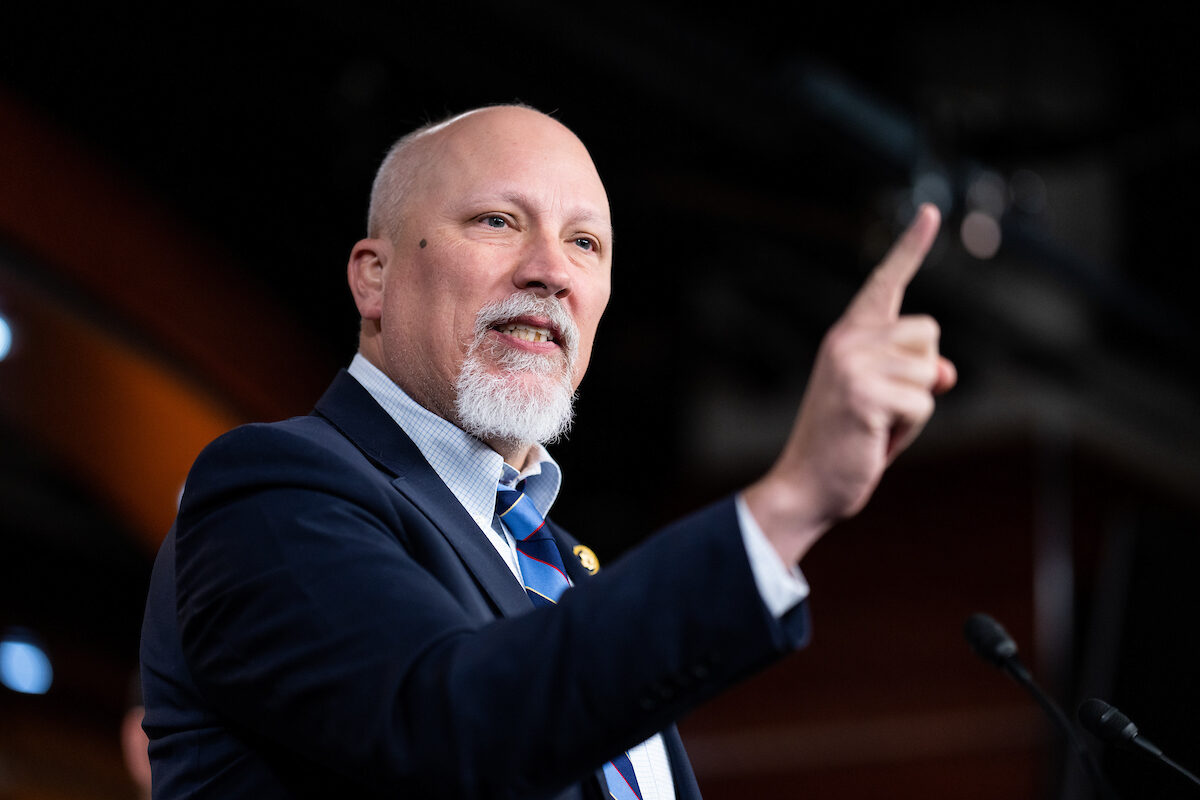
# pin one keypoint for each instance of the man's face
(507, 203)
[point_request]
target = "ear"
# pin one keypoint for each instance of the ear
(368, 261)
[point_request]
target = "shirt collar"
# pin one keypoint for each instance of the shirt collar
(470, 469)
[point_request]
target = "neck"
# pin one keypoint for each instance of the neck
(515, 454)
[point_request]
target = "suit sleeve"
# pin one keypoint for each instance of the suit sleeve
(308, 620)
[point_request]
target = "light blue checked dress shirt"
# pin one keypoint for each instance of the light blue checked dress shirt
(471, 470)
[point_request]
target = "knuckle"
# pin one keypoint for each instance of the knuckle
(931, 376)
(839, 343)
(923, 407)
(927, 326)
(927, 404)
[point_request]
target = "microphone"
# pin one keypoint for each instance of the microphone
(992, 643)
(1110, 726)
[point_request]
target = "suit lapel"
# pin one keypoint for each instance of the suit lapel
(566, 548)
(352, 410)
(422, 486)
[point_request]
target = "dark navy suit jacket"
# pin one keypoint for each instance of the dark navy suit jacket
(326, 620)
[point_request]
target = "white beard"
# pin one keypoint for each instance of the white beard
(515, 396)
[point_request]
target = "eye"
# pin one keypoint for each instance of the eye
(494, 221)
(586, 243)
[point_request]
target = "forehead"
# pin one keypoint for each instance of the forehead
(517, 156)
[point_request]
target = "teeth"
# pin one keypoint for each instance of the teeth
(526, 332)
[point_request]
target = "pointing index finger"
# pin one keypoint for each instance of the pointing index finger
(880, 297)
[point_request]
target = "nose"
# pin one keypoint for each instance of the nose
(544, 269)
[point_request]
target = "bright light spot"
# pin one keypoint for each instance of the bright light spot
(980, 234)
(23, 666)
(5, 337)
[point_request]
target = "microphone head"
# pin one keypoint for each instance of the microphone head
(1106, 723)
(989, 640)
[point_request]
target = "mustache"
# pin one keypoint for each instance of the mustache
(521, 304)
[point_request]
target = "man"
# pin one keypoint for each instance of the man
(339, 608)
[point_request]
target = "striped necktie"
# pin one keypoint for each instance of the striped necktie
(545, 580)
(541, 564)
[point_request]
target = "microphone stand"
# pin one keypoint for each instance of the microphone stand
(992, 643)
(1013, 666)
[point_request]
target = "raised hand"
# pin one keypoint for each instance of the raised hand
(870, 394)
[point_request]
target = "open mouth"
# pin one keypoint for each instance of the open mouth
(526, 332)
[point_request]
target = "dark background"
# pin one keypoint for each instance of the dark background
(758, 164)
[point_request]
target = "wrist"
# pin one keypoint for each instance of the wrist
(789, 514)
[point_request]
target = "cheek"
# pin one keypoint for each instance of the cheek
(590, 314)
(434, 293)
(463, 329)
(587, 336)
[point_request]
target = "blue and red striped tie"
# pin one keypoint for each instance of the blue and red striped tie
(545, 580)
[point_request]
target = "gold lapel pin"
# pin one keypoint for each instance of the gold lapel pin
(587, 558)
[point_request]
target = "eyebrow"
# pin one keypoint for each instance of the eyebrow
(579, 214)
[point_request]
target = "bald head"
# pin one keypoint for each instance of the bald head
(409, 161)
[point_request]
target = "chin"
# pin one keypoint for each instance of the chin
(519, 408)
